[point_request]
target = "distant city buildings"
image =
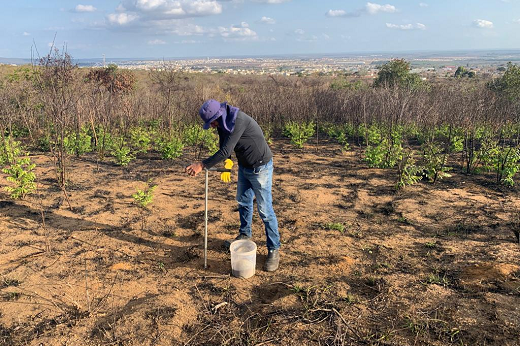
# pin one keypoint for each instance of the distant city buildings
(363, 66)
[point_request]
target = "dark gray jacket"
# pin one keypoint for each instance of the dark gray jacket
(248, 142)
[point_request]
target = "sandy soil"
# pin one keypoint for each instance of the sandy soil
(429, 265)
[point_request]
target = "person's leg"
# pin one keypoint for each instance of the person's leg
(245, 197)
(261, 182)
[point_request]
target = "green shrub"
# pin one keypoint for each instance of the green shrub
(141, 139)
(384, 155)
(78, 145)
(435, 160)
(408, 173)
(10, 149)
(122, 153)
(170, 148)
(195, 135)
(21, 174)
(299, 133)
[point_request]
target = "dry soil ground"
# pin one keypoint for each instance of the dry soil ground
(430, 265)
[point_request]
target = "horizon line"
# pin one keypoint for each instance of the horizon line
(357, 53)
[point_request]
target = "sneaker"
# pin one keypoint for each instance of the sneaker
(227, 243)
(272, 261)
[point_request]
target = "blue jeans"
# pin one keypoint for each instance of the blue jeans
(257, 182)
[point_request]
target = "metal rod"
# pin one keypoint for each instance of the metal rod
(206, 223)
(206, 213)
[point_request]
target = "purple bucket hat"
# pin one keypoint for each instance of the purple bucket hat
(213, 110)
(210, 111)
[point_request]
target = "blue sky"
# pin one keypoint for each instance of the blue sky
(207, 28)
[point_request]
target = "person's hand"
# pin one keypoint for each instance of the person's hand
(194, 169)
(226, 176)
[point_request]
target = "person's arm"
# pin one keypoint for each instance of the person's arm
(228, 143)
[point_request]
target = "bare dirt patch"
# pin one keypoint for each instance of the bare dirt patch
(429, 265)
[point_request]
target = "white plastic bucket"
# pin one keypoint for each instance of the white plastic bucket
(243, 258)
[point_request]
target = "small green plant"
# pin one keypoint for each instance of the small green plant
(192, 135)
(122, 153)
(436, 279)
(268, 134)
(351, 299)
(78, 144)
(430, 245)
(384, 155)
(299, 133)
(435, 161)
(104, 141)
(403, 219)
(170, 147)
(335, 226)
(210, 141)
(408, 173)
(21, 174)
(10, 149)
(340, 133)
(195, 135)
(145, 196)
(140, 139)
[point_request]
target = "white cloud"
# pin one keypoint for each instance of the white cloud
(417, 26)
(325, 36)
(517, 21)
(483, 24)
(336, 13)
(85, 8)
(121, 18)
(156, 42)
(154, 10)
(372, 8)
(25, 33)
(423, 4)
(188, 30)
(267, 20)
(299, 31)
(240, 32)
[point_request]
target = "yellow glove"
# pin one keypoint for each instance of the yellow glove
(226, 176)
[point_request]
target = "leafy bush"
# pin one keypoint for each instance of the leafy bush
(105, 142)
(195, 135)
(408, 172)
(503, 161)
(122, 153)
(299, 133)
(21, 174)
(141, 139)
(340, 133)
(435, 161)
(384, 155)
(10, 149)
(170, 148)
(78, 145)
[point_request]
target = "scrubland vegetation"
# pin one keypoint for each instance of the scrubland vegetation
(397, 200)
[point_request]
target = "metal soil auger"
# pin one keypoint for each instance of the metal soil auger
(206, 213)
